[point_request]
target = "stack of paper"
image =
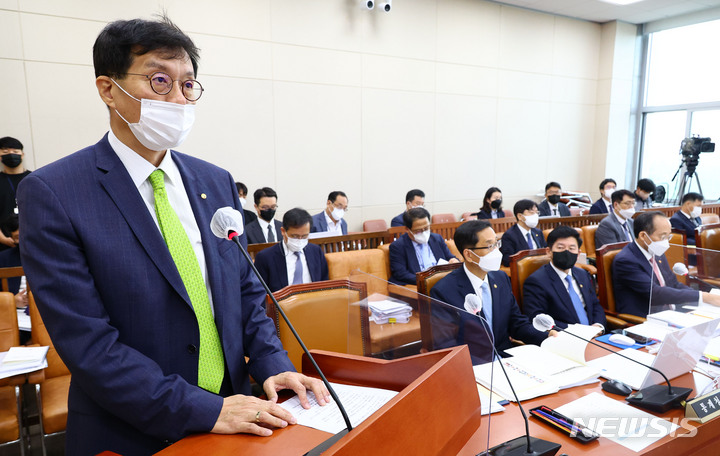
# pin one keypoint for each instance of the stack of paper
(679, 319)
(563, 371)
(389, 311)
(652, 329)
(527, 384)
(615, 367)
(21, 360)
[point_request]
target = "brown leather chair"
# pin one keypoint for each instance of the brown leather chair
(576, 211)
(707, 237)
(606, 295)
(453, 249)
(443, 218)
(709, 219)
(11, 423)
(522, 265)
(51, 384)
(678, 253)
(425, 281)
(466, 216)
(588, 235)
(385, 249)
(370, 261)
(324, 316)
(375, 225)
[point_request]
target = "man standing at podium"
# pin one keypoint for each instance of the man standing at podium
(141, 301)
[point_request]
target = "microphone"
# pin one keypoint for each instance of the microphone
(473, 303)
(523, 445)
(655, 397)
(681, 269)
(227, 223)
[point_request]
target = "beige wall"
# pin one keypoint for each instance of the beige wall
(451, 96)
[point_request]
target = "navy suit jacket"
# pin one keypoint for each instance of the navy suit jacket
(398, 220)
(545, 211)
(117, 310)
(507, 322)
(255, 234)
(10, 258)
(631, 273)
(250, 216)
(488, 215)
(680, 222)
(403, 260)
(610, 231)
(513, 241)
(544, 292)
(320, 224)
(272, 265)
(599, 207)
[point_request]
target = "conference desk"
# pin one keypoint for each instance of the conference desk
(297, 440)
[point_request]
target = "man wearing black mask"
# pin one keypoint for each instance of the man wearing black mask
(11, 153)
(551, 206)
(560, 289)
(265, 228)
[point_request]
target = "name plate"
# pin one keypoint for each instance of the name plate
(703, 408)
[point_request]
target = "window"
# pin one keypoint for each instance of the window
(682, 99)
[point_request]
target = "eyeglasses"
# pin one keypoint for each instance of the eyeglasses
(493, 246)
(162, 84)
(420, 231)
(562, 248)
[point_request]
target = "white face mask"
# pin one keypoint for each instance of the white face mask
(658, 248)
(491, 261)
(532, 220)
(162, 125)
(296, 245)
(423, 237)
(608, 193)
(242, 202)
(697, 210)
(627, 213)
(337, 214)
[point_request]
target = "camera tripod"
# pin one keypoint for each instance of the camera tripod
(688, 174)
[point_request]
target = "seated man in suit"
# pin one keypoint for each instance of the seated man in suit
(413, 198)
(331, 219)
(644, 260)
(551, 205)
(417, 249)
(492, 205)
(294, 260)
(618, 225)
(265, 228)
(242, 194)
(688, 217)
(477, 242)
(560, 289)
(10, 258)
(604, 204)
(645, 188)
(523, 235)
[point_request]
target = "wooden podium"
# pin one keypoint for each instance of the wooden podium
(436, 411)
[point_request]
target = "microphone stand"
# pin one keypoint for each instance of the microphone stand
(233, 236)
(523, 445)
(656, 397)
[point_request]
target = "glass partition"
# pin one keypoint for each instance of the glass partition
(396, 322)
(690, 293)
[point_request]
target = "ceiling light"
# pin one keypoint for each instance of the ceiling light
(621, 2)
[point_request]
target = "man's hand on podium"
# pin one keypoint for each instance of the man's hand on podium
(250, 415)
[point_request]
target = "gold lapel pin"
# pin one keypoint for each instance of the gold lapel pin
(203, 196)
(494, 285)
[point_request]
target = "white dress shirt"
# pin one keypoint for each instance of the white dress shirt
(140, 170)
(525, 233)
(562, 275)
(264, 226)
(291, 260)
(334, 228)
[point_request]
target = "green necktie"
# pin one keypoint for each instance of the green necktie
(211, 367)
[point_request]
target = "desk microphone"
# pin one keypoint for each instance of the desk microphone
(682, 270)
(227, 223)
(656, 397)
(519, 446)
